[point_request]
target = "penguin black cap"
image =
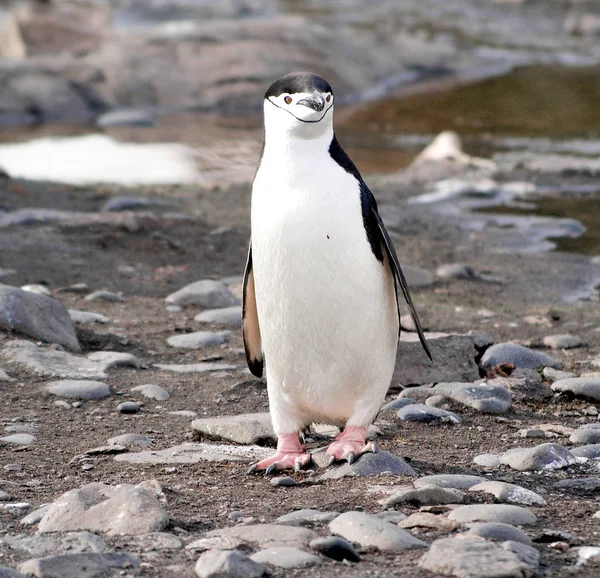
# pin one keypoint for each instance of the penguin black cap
(297, 82)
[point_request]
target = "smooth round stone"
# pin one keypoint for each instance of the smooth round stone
(230, 316)
(499, 532)
(4, 497)
(398, 403)
(516, 354)
(105, 296)
(487, 460)
(422, 412)
(37, 288)
(87, 317)
(562, 341)
(553, 375)
(510, 493)
(455, 271)
(152, 391)
(283, 482)
(581, 486)
(79, 389)
(123, 117)
(196, 340)
(306, 517)
(542, 457)
(586, 387)
(226, 563)
(425, 495)
(21, 439)
(456, 481)
(128, 407)
(335, 548)
(591, 451)
(206, 293)
(502, 513)
(586, 435)
(286, 557)
(130, 439)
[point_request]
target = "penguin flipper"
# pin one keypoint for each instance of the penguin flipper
(250, 326)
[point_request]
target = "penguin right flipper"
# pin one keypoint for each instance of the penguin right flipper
(250, 327)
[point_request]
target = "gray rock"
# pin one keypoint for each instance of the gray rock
(230, 316)
(587, 434)
(125, 117)
(457, 481)
(425, 496)
(251, 428)
(79, 389)
(5, 377)
(420, 412)
(192, 453)
(115, 359)
(283, 482)
(591, 451)
(156, 541)
(267, 535)
(562, 341)
(121, 203)
(46, 362)
(86, 317)
(473, 559)
(207, 293)
(152, 391)
(510, 493)
(115, 510)
(128, 407)
(73, 542)
(391, 516)
(398, 403)
(427, 520)
(22, 439)
(6, 572)
(36, 316)
(579, 486)
(542, 457)
(371, 464)
(455, 271)
(527, 554)
(498, 532)
(103, 295)
(417, 277)
(16, 509)
(335, 548)
(586, 387)
(286, 557)
(502, 513)
(4, 497)
(306, 517)
(83, 565)
(553, 375)
(35, 516)
(524, 385)
(196, 340)
(130, 440)
(196, 367)
(518, 355)
(227, 564)
(453, 359)
(369, 531)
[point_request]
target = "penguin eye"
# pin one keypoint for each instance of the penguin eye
(288, 100)
(328, 97)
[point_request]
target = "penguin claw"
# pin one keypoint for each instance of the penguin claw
(271, 469)
(350, 458)
(252, 469)
(297, 466)
(331, 460)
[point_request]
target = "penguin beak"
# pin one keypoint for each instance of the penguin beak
(316, 102)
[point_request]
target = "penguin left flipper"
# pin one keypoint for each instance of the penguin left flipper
(250, 326)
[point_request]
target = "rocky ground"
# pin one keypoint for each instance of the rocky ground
(130, 418)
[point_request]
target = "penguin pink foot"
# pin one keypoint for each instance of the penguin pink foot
(290, 454)
(349, 444)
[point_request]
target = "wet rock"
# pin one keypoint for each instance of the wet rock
(73, 542)
(36, 316)
(369, 531)
(130, 440)
(103, 295)
(457, 481)
(586, 434)
(115, 510)
(498, 532)
(283, 482)
(518, 355)
(230, 316)
(427, 520)
(267, 535)
(542, 457)
(196, 340)
(306, 517)
(553, 375)
(591, 451)
(152, 391)
(425, 495)
(286, 557)
(125, 117)
(227, 564)
(473, 559)
(420, 412)
(207, 293)
(579, 486)
(455, 271)
(202, 367)
(335, 548)
(22, 439)
(115, 359)
(562, 341)
(46, 362)
(83, 565)
(453, 359)
(585, 387)
(128, 407)
(502, 513)
(251, 428)
(79, 389)
(510, 493)
(371, 464)
(86, 317)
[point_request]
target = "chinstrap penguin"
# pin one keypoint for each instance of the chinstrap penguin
(320, 305)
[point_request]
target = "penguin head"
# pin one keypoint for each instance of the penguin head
(300, 103)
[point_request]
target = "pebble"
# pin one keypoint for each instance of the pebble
(515, 515)
(128, 407)
(379, 463)
(116, 359)
(306, 517)
(4, 497)
(195, 367)
(553, 375)
(249, 428)
(398, 403)
(267, 535)
(335, 548)
(421, 412)
(283, 482)
(586, 387)
(130, 440)
(79, 389)
(82, 565)
(22, 439)
(590, 410)
(591, 451)
(498, 532)
(455, 271)
(86, 317)
(542, 457)
(230, 316)
(227, 564)
(532, 433)
(371, 532)
(562, 341)
(427, 520)
(286, 557)
(105, 296)
(425, 495)
(580, 486)
(196, 340)
(586, 434)
(391, 516)
(510, 493)
(208, 294)
(456, 481)
(518, 355)
(152, 391)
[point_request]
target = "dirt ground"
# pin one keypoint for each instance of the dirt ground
(150, 253)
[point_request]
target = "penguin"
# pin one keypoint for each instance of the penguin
(320, 308)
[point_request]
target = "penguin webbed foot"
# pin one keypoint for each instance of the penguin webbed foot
(290, 455)
(349, 445)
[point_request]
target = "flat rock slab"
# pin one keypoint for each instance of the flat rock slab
(46, 362)
(42, 545)
(425, 496)
(116, 510)
(498, 532)
(585, 387)
(152, 391)
(227, 564)
(202, 367)
(196, 340)
(371, 532)
(248, 429)
(579, 486)
(79, 389)
(84, 565)
(421, 412)
(230, 316)
(286, 557)
(208, 294)
(510, 493)
(193, 453)
(37, 316)
(542, 457)
(457, 481)
(371, 464)
(267, 535)
(502, 513)
(453, 359)
(518, 355)
(473, 559)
